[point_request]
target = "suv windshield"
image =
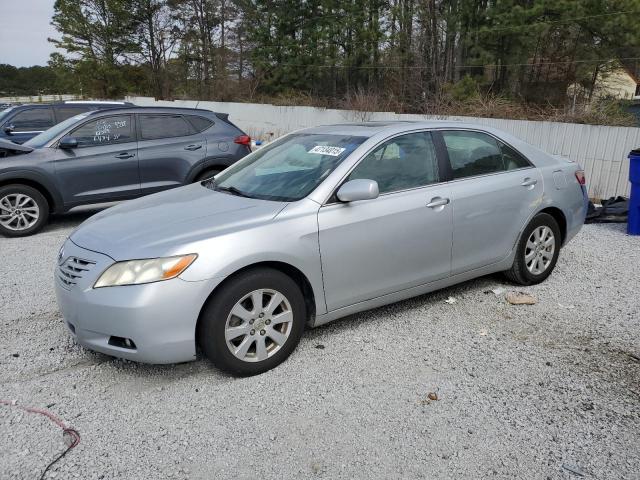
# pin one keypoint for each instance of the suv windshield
(287, 170)
(5, 113)
(43, 138)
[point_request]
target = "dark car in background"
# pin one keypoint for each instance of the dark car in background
(111, 155)
(634, 109)
(22, 122)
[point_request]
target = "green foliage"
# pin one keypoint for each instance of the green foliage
(99, 35)
(416, 55)
(27, 80)
(465, 89)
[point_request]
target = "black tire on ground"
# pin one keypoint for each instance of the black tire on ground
(37, 197)
(211, 172)
(210, 333)
(519, 273)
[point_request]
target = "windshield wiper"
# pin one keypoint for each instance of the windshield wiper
(232, 191)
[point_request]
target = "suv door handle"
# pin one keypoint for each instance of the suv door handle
(125, 155)
(438, 202)
(529, 182)
(192, 147)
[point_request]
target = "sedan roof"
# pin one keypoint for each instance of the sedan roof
(382, 130)
(369, 129)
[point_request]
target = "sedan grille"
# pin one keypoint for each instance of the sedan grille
(73, 269)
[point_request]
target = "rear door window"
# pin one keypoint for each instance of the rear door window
(163, 126)
(105, 131)
(33, 119)
(476, 153)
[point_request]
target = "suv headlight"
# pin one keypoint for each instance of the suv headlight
(135, 272)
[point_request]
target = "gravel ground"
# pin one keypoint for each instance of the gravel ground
(528, 391)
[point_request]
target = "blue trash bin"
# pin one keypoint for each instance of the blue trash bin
(633, 225)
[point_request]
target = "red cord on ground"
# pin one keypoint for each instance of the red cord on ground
(70, 435)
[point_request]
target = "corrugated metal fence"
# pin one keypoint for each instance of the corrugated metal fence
(602, 151)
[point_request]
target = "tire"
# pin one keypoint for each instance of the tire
(526, 269)
(211, 172)
(23, 210)
(217, 338)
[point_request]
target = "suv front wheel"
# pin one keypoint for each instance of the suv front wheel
(210, 173)
(23, 210)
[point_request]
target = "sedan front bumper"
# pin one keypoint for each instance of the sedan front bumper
(158, 319)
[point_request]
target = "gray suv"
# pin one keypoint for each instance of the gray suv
(21, 123)
(111, 155)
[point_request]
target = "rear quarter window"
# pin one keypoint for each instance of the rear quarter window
(200, 124)
(512, 159)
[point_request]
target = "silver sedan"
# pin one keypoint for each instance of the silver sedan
(321, 223)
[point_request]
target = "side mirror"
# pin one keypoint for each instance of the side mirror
(9, 129)
(67, 143)
(360, 189)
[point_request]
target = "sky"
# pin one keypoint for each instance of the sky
(24, 29)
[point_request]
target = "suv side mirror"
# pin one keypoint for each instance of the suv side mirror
(9, 129)
(360, 189)
(68, 143)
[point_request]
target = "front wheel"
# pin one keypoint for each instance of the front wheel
(210, 173)
(23, 210)
(537, 251)
(253, 322)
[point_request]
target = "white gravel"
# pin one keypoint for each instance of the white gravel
(523, 391)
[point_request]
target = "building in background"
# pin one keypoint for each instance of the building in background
(621, 82)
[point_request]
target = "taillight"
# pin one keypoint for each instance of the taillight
(580, 177)
(243, 140)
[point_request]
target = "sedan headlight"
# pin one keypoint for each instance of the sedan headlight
(135, 272)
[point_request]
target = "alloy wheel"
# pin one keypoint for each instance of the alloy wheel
(18, 211)
(258, 325)
(539, 250)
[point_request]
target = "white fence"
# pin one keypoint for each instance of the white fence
(602, 151)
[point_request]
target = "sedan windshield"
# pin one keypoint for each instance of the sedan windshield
(45, 137)
(287, 170)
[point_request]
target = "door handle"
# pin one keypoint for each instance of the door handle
(438, 202)
(125, 155)
(529, 182)
(192, 147)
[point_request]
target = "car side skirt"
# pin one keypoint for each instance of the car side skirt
(389, 298)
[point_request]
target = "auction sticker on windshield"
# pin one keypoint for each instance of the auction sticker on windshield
(327, 150)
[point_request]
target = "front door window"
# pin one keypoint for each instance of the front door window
(404, 162)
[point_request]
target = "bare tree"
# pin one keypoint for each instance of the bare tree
(157, 36)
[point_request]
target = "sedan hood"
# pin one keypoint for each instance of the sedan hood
(166, 223)
(11, 147)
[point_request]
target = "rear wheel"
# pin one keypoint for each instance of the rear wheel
(537, 252)
(23, 210)
(253, 322)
